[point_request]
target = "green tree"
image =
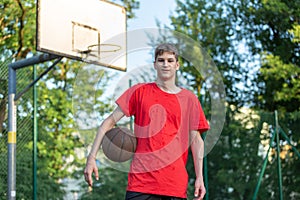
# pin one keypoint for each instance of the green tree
(276, 39)
(57, 138)
(255, 46)
(280, 85)
(205, 22)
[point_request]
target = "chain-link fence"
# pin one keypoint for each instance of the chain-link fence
(3, 129)
(253, 128)
(247, 152)
(24, 153)
(279, 146)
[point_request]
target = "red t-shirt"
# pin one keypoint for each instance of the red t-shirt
(162, 122)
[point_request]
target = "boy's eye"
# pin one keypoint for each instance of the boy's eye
(162, 60)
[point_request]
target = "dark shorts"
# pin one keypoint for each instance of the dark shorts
(142, 196)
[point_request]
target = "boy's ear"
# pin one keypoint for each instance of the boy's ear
(154, 65)
(177, 67)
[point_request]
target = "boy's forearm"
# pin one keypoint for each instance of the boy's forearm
(106, 125)
(98, 139)
(197, 147)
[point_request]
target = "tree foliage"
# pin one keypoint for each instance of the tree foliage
(275, 33)
(255, 45)
(57, 139)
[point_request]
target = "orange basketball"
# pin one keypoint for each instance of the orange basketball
(119, 144)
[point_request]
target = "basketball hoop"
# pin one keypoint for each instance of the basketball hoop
(100, 51)
(96, 50)
(104, 48)
(84, 33)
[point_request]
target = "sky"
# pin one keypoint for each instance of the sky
(146, 16)
(149, 11)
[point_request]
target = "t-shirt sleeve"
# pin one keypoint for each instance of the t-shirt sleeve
(197, 118)
(127, 100)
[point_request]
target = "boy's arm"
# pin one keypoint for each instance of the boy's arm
(106, 125)
(197, 148)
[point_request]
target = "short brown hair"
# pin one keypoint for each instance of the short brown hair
(166, 47)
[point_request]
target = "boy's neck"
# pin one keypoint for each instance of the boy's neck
(167, 86)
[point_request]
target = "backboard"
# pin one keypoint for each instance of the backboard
(93, 31)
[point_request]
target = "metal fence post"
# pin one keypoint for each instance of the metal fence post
(35, 134)
(278, 157)
(12, 113)
(12, 135)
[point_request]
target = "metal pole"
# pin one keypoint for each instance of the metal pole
(278, 157)
(12, 117)
(33, 60)
(12, 135)
(289, 141)
(35, 133)
(263, 168)
(205, 171)
(37, 79)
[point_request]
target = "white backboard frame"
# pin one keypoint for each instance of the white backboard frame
(92, 31)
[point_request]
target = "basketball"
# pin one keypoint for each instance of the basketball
(119, 144)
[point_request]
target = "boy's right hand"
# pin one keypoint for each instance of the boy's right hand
(90, 167)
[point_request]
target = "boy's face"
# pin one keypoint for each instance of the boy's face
(166, 65)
